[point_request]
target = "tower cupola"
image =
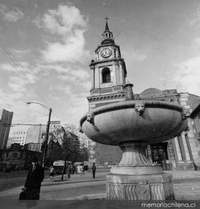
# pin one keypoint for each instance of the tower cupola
(107, 36)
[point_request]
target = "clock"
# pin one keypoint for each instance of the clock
(106, 52)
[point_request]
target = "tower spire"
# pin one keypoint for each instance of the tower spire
(107, 35)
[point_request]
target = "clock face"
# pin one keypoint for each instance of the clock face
(106, 52)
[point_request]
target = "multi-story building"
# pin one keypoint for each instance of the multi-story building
(108, 75)
(17, 136)
(5, 122)
(35, 133)
(32, 135)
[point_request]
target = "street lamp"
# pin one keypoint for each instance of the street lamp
(44, 151)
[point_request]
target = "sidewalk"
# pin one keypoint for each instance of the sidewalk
(82, 187)
(76, 178)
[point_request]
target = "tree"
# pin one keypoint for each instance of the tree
(64, 144)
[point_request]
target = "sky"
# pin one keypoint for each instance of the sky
(46, 48)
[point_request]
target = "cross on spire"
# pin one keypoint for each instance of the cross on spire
(106, 28)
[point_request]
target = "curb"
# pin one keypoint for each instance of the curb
(90, 197)
(70, 182)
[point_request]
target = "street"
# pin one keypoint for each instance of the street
(80, 187)
(14, 179)
(76, 186)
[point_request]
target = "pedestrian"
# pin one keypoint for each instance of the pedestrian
(64, 171)
(69, 170)
(94, 170)
(78, 169)
(51, 169)
(33, 181)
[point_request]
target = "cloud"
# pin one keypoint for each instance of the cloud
(68, 23)
(31, 78)
(8, 99)
(196, 43)
(17, 84)
(66, 89)
(187, 75)
(12, 16)
(21, 53)
(8, 67)
(63, 20)
(72, 50)
(76, 109)
(86, 85)
(81, 74)
(24, 67)
(48, 67)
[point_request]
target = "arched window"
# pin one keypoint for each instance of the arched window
(106, 78)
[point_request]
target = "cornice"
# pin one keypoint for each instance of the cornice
(107, 60)
(106, 97)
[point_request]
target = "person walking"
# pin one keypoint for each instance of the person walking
(33, 181)
(51, 169)
(69, 170)
(64, 171)
(94, 170)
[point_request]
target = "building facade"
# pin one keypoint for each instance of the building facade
(17, 136)
(17, 157)
(35, 133)
(108, 75)
(5, 123)
(182, 152)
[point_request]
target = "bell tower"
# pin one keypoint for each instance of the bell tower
(108, 72)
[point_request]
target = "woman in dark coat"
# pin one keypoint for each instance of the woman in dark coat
(34, 179)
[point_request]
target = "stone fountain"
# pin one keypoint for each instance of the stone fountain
(132, 125)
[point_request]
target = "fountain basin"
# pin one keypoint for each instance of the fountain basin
(115, 123)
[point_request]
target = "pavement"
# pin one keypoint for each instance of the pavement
(84, 187)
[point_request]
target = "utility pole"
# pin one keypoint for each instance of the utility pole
(44, 151)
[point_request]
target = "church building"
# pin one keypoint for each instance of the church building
(108, 76)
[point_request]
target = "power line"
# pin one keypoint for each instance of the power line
(18, 65)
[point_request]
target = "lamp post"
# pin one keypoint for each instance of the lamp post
(44, 151)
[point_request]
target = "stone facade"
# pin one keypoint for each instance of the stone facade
(182, 152)
(139, 187)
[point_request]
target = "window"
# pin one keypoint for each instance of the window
(106, 78)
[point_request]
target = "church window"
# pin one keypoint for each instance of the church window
(106, 78)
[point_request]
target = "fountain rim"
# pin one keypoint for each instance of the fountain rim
(131, 104)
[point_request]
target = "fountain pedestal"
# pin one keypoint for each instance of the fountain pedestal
(139, 187)
(136, 178)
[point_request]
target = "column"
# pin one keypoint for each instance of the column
(121, 73)
(178, 151)
(187, 155)
(92, 77)
(181, 148)
(189, 147)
